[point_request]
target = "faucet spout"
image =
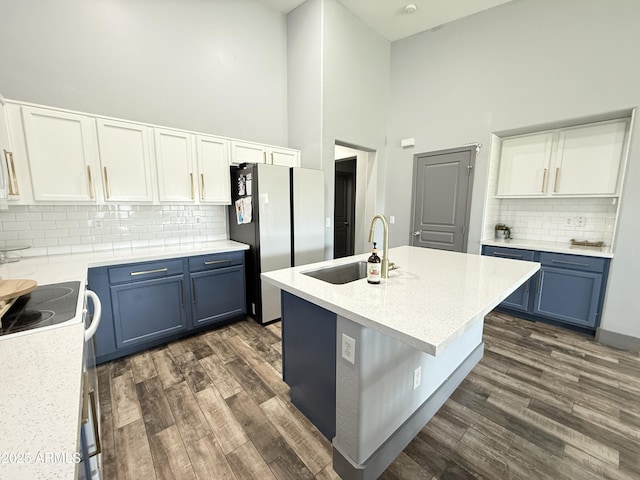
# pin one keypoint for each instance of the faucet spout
(385, 242)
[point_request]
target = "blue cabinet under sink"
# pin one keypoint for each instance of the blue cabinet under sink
(568, 289)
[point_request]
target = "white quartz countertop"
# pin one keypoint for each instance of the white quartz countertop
(63, 268)
(432, 299)
(555, 247)
(40, 403)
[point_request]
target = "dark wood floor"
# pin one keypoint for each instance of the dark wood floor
(544, 403)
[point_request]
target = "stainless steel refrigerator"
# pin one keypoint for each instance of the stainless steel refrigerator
(279, 212)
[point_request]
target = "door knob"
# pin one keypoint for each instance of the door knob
(416, 234)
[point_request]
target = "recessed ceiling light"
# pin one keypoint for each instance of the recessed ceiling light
(410, 8)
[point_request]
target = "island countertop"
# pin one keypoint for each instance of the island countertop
(431, 300)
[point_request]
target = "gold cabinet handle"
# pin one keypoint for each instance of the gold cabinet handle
(106, 182)
(544, 180)
(213, 262)
(192, 194)
(90, 181)
(146, 272)
(202, 186)
(555, 182)
(193, 289)
(271, 158)
(264, 154)
(11, 172)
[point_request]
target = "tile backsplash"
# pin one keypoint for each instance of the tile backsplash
(57, 229)
(554, 219)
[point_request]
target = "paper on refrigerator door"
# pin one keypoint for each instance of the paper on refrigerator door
(243, 210)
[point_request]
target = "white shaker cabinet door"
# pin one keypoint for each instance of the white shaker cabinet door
(524, 165)
(285, 157)
(589, 158)
(174, 160)
(213, 169)
(246, 152)
(125, 159)
(61, 153)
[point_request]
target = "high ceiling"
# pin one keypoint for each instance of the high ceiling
(388, 17)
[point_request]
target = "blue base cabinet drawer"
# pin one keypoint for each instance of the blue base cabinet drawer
(568, 289)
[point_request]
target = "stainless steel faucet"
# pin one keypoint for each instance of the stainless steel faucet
(385, 242)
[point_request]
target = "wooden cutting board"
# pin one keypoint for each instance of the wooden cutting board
(15, 288)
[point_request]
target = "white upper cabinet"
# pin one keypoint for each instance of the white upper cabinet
(524, 165)
(125, 159)
(61, 153)
(588, 159)
(246, 152)
(174, 160)
(214, 182)
(582, 161)
(287, 157)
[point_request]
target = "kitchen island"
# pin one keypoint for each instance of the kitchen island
(392, 353)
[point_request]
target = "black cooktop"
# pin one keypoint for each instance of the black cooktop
(46, 305)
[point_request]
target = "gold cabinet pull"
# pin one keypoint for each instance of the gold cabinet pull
(106, 182)
(213, 262)
(192, 194)
(90, 181)
(202, 186)
(544, 180)
(271, 158)
(555, 182)
(146, 272)
(11, 172)
(193, 289)
(264, 155)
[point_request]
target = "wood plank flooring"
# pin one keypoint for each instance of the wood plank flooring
(544, 403)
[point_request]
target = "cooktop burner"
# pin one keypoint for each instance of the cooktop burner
(44, 306)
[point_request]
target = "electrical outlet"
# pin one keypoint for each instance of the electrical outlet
(348, 348)
(417, 377)
(580, 221)
(568, 221)
(392, 219)
(98, 223)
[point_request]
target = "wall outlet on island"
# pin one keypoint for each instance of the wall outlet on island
(417, 377)
(348, 348)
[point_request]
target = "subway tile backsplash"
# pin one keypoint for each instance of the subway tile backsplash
(57, 229)
(554, 219)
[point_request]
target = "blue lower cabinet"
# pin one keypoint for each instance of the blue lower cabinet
(309, 360)
(568, 295)
(146, 304)
(217, 295)
(568, 289)
(147, 310)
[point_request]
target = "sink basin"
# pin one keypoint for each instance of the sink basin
(340, 274)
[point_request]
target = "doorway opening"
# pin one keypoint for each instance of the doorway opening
(344, 208)
(355, 188)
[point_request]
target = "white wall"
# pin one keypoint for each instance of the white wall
(216, 66)
(354, 70)
(525, 63)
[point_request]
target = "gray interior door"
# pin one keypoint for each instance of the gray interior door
(441, 198)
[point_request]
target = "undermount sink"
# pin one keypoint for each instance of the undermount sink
(340, 274)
